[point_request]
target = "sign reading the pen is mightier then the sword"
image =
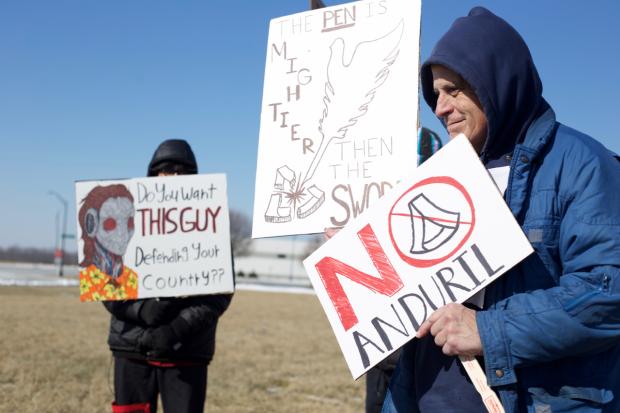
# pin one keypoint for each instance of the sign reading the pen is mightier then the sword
(339, 114)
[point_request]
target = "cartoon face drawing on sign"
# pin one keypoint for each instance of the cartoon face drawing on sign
(352, 80)
(106, 219)
(431, 221)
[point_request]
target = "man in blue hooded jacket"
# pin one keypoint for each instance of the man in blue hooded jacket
(548, 333)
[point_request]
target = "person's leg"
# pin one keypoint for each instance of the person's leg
(183, 389)
(376, 387)
(135, 386)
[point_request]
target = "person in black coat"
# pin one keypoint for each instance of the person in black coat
(163, 346)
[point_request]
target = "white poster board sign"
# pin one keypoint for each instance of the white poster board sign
(153, 237)
(339, 114)
(440, 236)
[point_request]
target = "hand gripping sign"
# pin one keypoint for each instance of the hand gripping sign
(430, 241)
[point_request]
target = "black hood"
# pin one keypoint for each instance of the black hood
(173, 151)
(493, 58)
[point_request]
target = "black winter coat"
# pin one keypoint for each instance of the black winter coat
(197, 315)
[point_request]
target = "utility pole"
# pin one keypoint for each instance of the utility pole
(57, 239)
(60, 254)
(316, 4)
(292, 259)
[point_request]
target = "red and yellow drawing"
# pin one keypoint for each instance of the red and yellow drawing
(96, 285)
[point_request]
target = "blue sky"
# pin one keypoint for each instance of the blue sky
(89, 88)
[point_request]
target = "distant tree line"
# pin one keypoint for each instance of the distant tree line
(35, 255)
(240, 232)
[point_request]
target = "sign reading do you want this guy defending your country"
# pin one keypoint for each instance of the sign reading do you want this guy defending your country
(153, 237)
(339, 114)
(440, 236)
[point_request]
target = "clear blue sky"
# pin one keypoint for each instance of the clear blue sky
(89, 88)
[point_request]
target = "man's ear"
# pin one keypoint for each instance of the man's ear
(91, 222)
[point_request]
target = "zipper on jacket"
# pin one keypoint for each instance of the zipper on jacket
(581, 299)
(606, 280)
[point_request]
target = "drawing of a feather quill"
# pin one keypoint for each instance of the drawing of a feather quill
(351, 86)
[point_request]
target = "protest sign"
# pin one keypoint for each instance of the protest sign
(153, 237)
(339, 114)
(440, 236)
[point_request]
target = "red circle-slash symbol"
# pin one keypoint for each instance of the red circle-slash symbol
(431, 221)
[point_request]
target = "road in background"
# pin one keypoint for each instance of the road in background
(46, 275)
(36, 275)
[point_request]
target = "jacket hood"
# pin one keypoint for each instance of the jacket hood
(176, 151)
(493, 58)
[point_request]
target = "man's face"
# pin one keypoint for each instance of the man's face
(116, 225)
(458, 106)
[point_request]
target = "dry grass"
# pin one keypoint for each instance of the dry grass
(275, 353)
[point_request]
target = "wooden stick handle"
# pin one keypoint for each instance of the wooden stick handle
(489, 398)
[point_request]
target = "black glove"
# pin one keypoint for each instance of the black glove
(163, 340)
(155, 312)
(159, 341)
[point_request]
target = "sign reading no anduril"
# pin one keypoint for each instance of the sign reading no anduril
(153, 237)
(440, 236)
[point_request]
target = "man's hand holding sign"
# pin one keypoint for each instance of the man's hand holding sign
(455, 331)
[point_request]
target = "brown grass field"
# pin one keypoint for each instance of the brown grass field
(275, 353)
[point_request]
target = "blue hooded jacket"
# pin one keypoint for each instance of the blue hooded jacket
(550, 328)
